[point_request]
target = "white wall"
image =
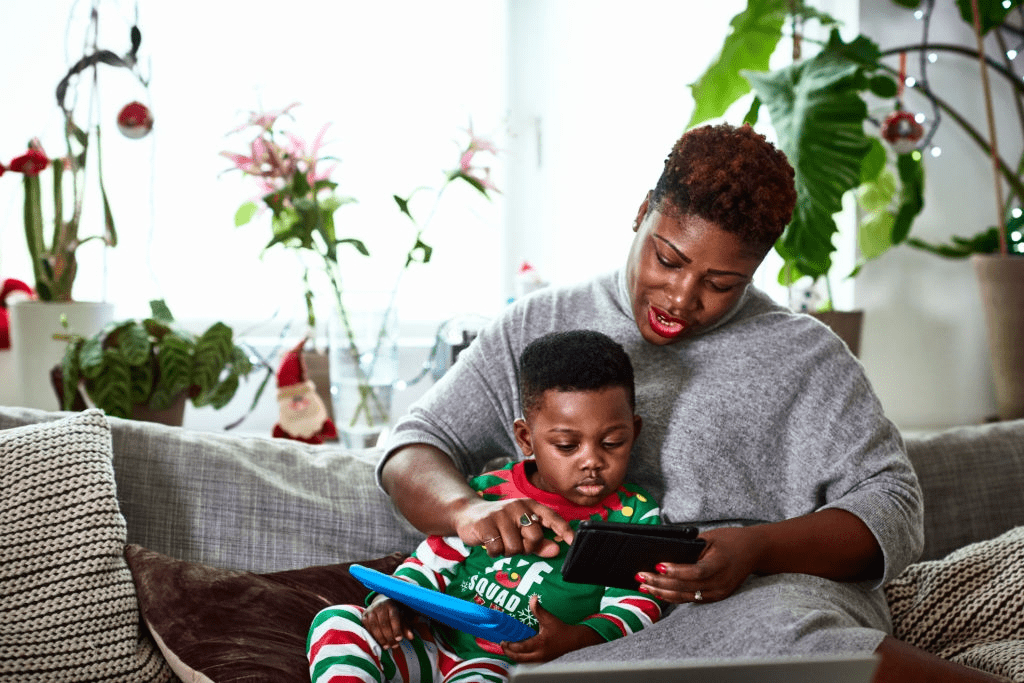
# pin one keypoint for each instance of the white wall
(598, 95)
(584, 96)
(924, 341)
(397, 79)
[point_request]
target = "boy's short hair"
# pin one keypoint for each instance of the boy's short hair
(578, 360)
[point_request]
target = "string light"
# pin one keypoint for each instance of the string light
(1016, 212)
(1011, 54)
(919, 117)
(911, 81)
(933, 57)
(936, 151)
(919, 14)
(1007, 4)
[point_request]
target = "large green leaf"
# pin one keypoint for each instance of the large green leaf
(111, 389)
(991, 12)
(755, 34)
(818, 115)
(213, 350)
(174, 361)
(133, 340)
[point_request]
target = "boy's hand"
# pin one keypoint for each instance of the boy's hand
(388, 622)
(554, 638)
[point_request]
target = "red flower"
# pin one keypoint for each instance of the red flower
(2, 168)
(31, 162)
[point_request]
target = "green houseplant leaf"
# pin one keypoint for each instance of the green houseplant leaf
(213, 350)
(755, 33)
(818, 114)
(152, 363)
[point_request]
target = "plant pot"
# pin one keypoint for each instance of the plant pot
(1001, 285)
(38, 341)
(364, 367)
(846, 324)
(173, 415)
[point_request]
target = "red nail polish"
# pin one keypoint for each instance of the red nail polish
(644, 589)
(661, 568)
(639, 577)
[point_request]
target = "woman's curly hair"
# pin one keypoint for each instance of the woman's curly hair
(732, 177)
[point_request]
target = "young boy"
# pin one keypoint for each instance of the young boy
(577, 429)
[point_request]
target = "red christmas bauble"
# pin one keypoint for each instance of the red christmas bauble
(135, 120)
(901, 130)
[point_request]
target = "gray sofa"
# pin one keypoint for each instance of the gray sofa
(216, 514)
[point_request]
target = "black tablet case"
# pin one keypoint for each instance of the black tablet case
(611, 553)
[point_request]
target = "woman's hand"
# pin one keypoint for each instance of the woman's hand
(728, 559)
(388, 621)
(554, 638)
(513, 526)
(832, 543)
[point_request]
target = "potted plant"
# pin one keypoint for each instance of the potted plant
(302, 201)
(53, 240)
(146, 369)
(818, 106)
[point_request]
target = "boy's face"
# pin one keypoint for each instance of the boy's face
(581, 442)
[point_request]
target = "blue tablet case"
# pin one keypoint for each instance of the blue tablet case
(469, 617)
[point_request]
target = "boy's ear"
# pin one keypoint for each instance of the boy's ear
(638, 422)
(523, 437)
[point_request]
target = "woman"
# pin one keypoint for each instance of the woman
(760, 428)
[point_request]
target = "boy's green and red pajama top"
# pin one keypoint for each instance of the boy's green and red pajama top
(507, 583)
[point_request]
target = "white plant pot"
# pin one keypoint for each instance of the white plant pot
(38, 341)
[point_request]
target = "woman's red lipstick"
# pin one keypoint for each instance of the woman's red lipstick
(663, 324)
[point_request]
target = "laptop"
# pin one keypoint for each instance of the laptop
(811, 669)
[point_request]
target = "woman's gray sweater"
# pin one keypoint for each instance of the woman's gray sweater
(765, 417)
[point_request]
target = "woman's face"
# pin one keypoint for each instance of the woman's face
(684, 274)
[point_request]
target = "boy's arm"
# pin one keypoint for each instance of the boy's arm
(434, 562)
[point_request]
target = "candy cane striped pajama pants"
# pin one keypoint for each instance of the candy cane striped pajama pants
(340, 650)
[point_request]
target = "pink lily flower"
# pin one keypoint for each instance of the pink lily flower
(264, 120)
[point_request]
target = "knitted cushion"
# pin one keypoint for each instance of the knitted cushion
(67, 602)
(967, 607)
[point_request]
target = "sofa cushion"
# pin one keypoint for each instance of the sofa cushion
(220, 625)
(67, 601)
(967, 607)
(247, 502)
(971, 478)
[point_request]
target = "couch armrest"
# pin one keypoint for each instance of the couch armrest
(972, 478)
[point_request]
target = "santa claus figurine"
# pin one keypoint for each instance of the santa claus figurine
(303, 415)
(10, 290)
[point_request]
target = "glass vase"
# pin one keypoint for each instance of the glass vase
(363, 366)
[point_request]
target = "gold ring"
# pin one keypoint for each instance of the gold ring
(490, 540)
(698, 596)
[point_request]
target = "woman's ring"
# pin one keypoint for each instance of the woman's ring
(491, 540)
(698, 596)
(528, 519)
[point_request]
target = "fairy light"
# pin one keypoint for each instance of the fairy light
(1007, 4)
(1011, 54)
(933, 57)
(919, 14)
(911, 81)
(919, 117)
(1016, 212)
(936, 151)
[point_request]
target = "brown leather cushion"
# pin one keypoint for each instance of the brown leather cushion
(222, 625)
